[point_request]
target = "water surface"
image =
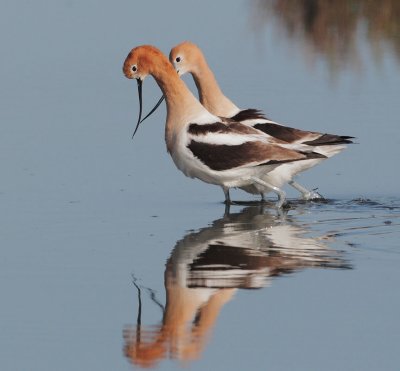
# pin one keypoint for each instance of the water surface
(215, 305)
(87, 213)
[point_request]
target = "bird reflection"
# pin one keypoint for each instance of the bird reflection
(239, 251)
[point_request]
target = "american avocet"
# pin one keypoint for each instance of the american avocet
(188, 58)
(203, 145)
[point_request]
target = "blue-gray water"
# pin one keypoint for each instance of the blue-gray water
(85, 210)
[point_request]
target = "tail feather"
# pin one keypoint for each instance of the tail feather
(330, 139)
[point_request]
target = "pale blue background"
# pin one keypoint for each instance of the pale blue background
(77, 195)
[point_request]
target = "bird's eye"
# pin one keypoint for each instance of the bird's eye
(134, 68)
(178, 59)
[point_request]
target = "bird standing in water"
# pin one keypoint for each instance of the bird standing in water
(202, 145)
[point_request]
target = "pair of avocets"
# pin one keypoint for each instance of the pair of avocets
(217, 142)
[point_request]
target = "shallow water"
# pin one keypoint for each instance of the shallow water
(325, 275)
(247, 287)
(312, 287)
(91, 221)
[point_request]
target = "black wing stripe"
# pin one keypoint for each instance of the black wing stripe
(215, 127)
(224, 157)
(281, 132)
(248, 114)
(221, 128)
(220, 157)
(309, 156)
(329, 139)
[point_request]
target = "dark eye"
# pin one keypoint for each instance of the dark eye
(178, 59)
(134, 68)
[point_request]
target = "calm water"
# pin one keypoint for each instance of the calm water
(322, 306)
(91, 221)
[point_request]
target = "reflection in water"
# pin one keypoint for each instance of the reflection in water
(242, 250)
(332, 29)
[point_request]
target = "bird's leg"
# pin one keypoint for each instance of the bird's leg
(281, 194)
(262, 197)
(227, 196)
(305, 193)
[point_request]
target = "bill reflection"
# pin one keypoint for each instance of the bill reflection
(206, 268)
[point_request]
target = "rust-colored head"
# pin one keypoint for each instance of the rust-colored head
(142, 61)
(186, 57)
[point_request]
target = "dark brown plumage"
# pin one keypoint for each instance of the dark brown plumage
(224, 157)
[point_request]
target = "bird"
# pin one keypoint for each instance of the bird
(187, 57)
(207, 147)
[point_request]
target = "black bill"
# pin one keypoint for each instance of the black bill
(154, 109)
(139, 85)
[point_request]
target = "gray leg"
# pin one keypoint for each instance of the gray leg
(281, 194)
(227, 196)
(305, 193)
